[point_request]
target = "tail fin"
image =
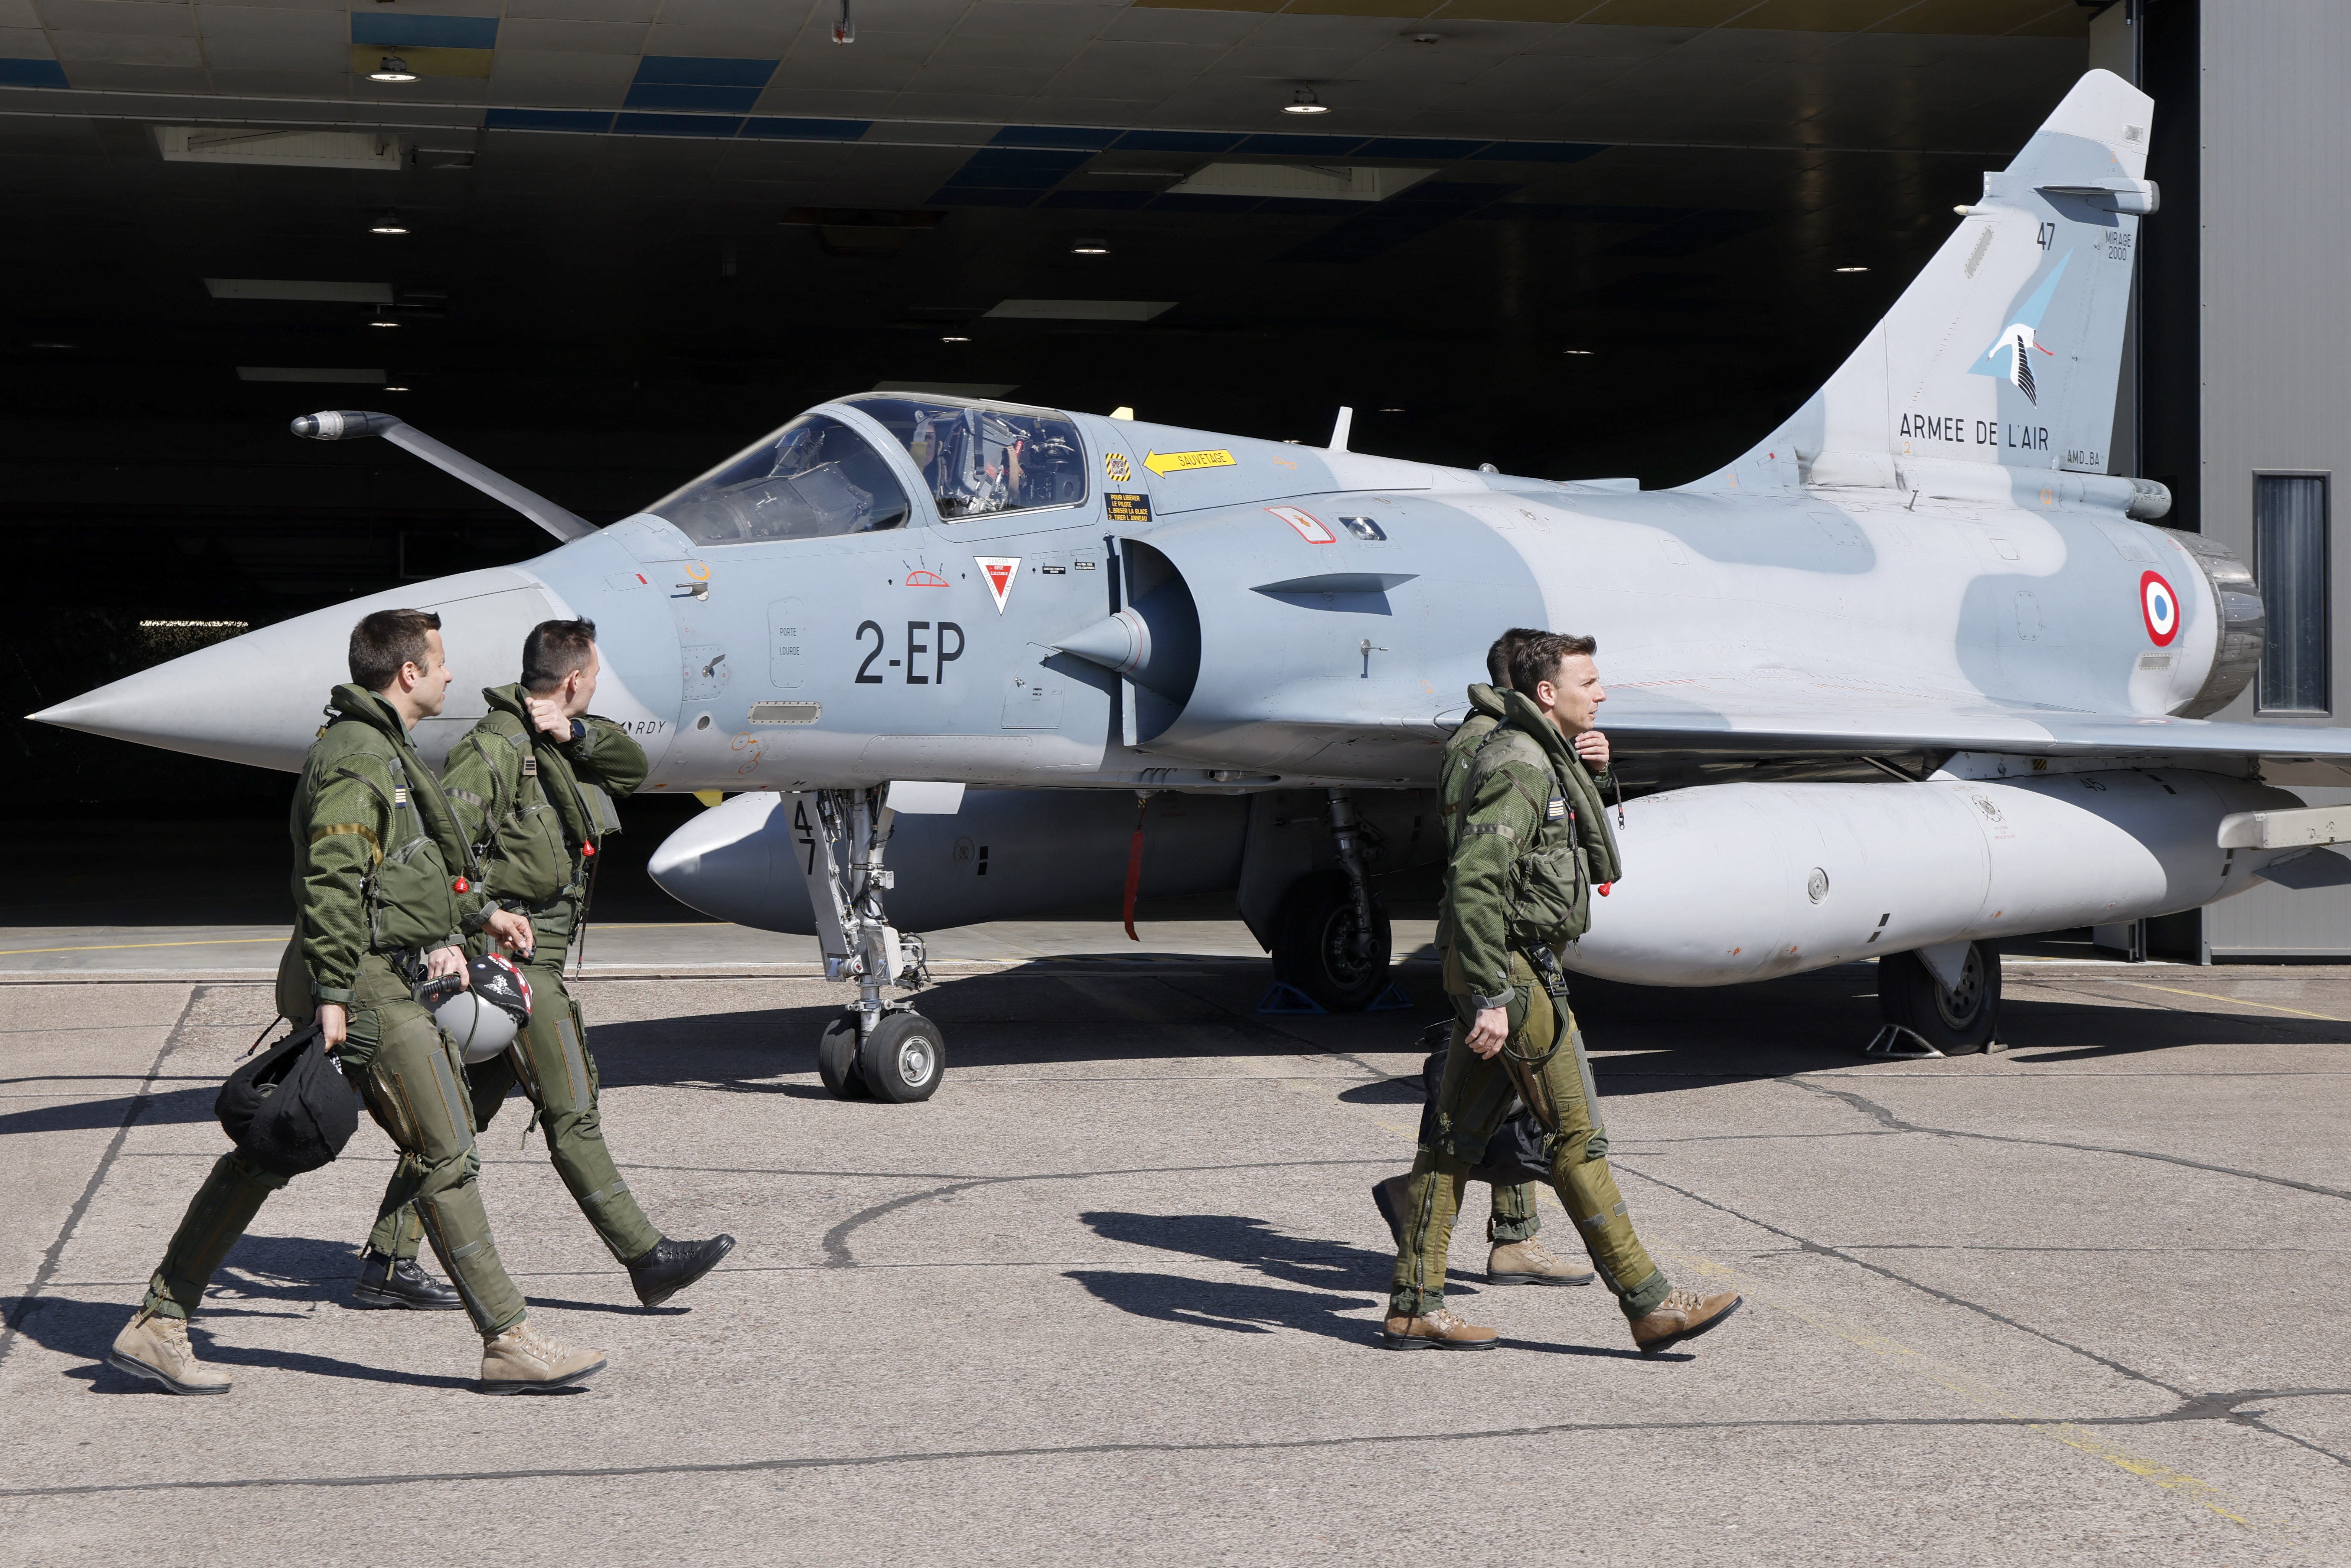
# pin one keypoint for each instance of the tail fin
(2007, 349)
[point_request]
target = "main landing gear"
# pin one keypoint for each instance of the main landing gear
(876, 1048)
(1331, 939)
(1938, 1001)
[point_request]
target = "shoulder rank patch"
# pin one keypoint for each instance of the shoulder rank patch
(530, 766)
(1556, 809)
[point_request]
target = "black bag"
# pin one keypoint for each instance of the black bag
(289, 1110)
(1515, 1154)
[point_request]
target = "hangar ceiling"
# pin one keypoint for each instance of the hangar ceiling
(1611, 237)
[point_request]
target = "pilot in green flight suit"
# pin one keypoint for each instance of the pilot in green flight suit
(382, 897)
(1525, 851)
(530, 787)
(1518, 1257)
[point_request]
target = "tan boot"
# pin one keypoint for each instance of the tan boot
(1439, 1329)
(1529, 1262)
(156, 1348)
(524, 1361)
(1683, 1314)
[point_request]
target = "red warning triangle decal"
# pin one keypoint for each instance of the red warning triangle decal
(1000, 570)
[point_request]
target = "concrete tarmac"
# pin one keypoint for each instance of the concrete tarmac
(1114, 1295)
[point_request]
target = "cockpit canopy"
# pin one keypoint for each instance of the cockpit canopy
(984, 456)
(817, 477)
(812, 478)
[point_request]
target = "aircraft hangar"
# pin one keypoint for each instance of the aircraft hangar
(597, 242)
(1121, 1291)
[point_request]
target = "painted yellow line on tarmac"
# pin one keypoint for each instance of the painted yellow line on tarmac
(248, 941)
(2241, 1001)
(1967, 1385)
(1991, 1396)
(119, 946)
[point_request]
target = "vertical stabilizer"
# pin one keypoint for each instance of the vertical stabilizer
(2006, 350)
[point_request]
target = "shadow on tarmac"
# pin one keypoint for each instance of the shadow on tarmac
(73, 1327)
(1322, 1266)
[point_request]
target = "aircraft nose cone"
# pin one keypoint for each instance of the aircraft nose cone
(735, 862)
(258, 698)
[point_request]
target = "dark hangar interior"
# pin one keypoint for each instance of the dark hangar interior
(599, 244)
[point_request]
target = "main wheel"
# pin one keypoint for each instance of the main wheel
(903, 1058)
(1321, 947)
(836, 1060)
(1956, 1022)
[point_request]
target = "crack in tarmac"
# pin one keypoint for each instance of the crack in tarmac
(836, 1240)
(30, 1301)
(1895, 1123)
(2219, 1407)
(1821, 1249)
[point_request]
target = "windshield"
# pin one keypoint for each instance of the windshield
(985, 458)
(815, 477)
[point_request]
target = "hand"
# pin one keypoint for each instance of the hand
(1593, 746)
(511, 929)
(334, 1024)
(446, 961)
(1491, 1027)
(547, 713)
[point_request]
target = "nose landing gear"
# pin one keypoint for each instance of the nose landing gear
(1331, 938)
(877, 1048)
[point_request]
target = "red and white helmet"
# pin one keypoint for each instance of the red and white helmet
(484, 1017)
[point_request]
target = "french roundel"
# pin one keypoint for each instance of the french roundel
(2160, 608)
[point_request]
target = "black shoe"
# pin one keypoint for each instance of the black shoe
(384, 1284)
(672, 1266)
(1390, 1196)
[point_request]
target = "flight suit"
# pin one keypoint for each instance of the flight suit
(380, 879)
(1526, 848)
(536, 812)
(1511, 1213)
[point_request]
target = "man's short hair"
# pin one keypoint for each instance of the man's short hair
(385, 640)
(1497, 657)
(1538, 656)
(552, 651)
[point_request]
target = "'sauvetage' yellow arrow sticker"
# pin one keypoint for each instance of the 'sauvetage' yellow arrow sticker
(1164, 463)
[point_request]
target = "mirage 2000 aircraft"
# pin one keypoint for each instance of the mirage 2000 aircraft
(1925, 578)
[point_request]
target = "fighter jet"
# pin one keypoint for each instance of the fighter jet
(1913, 674)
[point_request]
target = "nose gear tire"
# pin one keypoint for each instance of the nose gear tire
(904, 1059)
(836, 1060)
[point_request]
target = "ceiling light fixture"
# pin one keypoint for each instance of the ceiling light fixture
(383, 321)
(1304, 102)
(1576, 350)
(1390, 411)
(1853, 269)
(393, 69)
(952, 339)
(395, 388)
(389, 223)
(1089, 247)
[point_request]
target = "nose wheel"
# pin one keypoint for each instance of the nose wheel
(900, 1060)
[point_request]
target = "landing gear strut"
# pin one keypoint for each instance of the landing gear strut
(1331, 938)
(876, 1048)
